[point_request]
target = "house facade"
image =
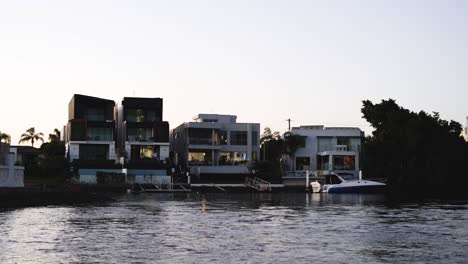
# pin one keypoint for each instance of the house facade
(216, 145)
(327, 149)
(142, 133)
(90, 132)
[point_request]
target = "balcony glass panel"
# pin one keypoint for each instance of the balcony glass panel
(232, 158)
(95, 114)
(100, 134)
(200, 158)
(343, 162)
(239, 138)
(140, 134)
(200, 136)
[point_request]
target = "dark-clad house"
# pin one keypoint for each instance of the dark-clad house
(142, 133)
(90, 136)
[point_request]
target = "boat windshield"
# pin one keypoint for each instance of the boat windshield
(348, 177)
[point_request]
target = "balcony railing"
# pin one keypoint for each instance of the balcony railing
(201, 141)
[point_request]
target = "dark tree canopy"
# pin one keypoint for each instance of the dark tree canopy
(413, 149)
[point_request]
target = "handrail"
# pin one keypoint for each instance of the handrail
(257, 184)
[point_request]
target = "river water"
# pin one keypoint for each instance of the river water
(238, 228)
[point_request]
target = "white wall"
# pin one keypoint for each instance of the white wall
(312, 141)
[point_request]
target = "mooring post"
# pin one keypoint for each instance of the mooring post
(307, 181)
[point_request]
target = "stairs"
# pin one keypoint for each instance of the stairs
(258, 184)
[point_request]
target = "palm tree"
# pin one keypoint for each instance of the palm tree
(55, 137)
(31, 135)
(5, 138)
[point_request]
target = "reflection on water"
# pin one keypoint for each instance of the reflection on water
(254, 228)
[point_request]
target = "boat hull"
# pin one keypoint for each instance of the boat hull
(356, 189)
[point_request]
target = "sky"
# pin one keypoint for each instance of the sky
(264, 61)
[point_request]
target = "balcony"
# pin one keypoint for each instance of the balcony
(201, 141)
(153, 164)
(96, 164)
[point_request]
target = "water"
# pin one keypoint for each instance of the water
(238, 228)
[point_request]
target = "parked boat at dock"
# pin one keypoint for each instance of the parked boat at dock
(346, 183)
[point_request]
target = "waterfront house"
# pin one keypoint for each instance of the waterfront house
(216, 148)
(143, 139)
(142, 133)
(90, 137)
(326, 149)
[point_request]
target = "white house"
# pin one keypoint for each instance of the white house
(216, 144)
(327, 149)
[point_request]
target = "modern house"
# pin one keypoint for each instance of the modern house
(143, 137)
(91, 129)
(142, 133)
(327, 149)
(213, 146)
(110, 144)
(90, 136)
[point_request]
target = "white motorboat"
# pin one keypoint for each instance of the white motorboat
(346, 183)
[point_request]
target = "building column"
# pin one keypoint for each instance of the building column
(330, 162)
(212, 157)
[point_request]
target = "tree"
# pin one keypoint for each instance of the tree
(417, 151)
(31, 135)
(292, 143)
(5, 138)
(55, 136)
(272, 145)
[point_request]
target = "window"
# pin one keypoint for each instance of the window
(94, 152)
(232, 158)
(200, 136)
(302, 163)
(144, 152)
(140, 134)
(343, 162)
(323, 162)
(200, 158)
(100, 134)
(95, 114)
(254, 138)
(239, 138)
(343, 141)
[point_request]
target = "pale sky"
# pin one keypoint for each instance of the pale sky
(264, 61)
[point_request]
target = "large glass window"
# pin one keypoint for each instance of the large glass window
(144, 152)
(232, 158)
(254, 138)
(100, 134)
(302, 163)
(323, 162)
(200, 158)
(95, 114)
(239, 138)
(141, 115)
(140, 134)
(94, 152)
(343, 162)
(200, 136)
